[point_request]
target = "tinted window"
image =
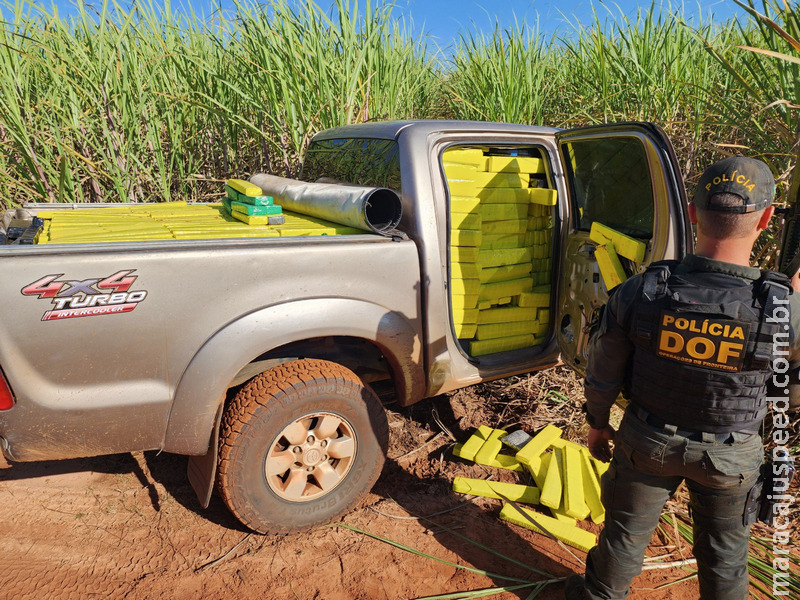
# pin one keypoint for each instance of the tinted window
(358, 161)
(610, 181)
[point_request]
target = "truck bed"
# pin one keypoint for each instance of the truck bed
(76, 224)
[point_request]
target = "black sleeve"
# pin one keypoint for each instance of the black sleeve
(610, 351)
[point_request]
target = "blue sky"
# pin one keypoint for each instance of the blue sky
(443, 19)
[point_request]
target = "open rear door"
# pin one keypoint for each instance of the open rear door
(627, 206)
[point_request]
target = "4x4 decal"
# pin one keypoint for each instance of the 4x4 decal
(86, 298)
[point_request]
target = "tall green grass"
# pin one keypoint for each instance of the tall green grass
(147, 103)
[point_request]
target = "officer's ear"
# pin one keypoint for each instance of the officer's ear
(692, 213)
(763, 222)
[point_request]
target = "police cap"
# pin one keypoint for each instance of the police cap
(748, 178)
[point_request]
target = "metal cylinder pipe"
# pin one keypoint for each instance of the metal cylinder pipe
(372, 209)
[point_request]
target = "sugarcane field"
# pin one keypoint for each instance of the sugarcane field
(309, 300)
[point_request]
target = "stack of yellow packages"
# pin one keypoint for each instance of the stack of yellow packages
(247, 203)
(566, 477)
(244, 213)
(500, 248)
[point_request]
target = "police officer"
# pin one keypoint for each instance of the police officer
(693, 345)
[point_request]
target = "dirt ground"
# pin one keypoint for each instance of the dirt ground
(129, 526)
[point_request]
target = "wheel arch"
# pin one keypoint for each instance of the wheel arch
(277, 332)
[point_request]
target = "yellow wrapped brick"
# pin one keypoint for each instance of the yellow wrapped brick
(504, 273)
(504, 289)
(538, 444)
(543, 315)
(469, 448)
(574, 502)
(469, 315)
(496, 489)
(538, 223)
(465, 220)
(503, 212)
(244, 187)
(591, 488)
(537, 210)
(600, 467)
(534, 299)
(538, 467)
(465, 286)
(464, 205)
(465, 237)
(515, 164)
(543, 196)
(464, 254)
(466, 156)
(496, 195)
(480, 179)
(552, 490)
(610, 267)
(481, 348)
(464, 301)
(465, 331)
(506, 315)
(504, 256)
(626, 246)
(465, 271)
(491, 447)
(504, 301)
(510, 226)
(484, 305)
(492, 331)
(569, 534)
(504, 240)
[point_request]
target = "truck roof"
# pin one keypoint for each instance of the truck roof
(390, 130)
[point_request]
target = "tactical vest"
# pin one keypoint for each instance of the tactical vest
(704, 346)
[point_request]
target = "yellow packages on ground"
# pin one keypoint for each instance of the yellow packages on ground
(496, 489)
(569, 534)
(538, 444)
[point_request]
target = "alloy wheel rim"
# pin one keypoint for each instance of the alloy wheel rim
(310, 457)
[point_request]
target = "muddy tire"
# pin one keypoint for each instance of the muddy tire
(300, 444)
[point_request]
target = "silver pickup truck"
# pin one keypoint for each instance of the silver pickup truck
(267, 360)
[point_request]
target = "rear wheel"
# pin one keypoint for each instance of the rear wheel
(300, 444)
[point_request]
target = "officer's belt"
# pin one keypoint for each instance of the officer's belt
(698, 436)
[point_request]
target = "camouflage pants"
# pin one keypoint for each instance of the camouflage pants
(649, 463)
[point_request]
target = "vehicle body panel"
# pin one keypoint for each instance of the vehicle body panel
(101, 384)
